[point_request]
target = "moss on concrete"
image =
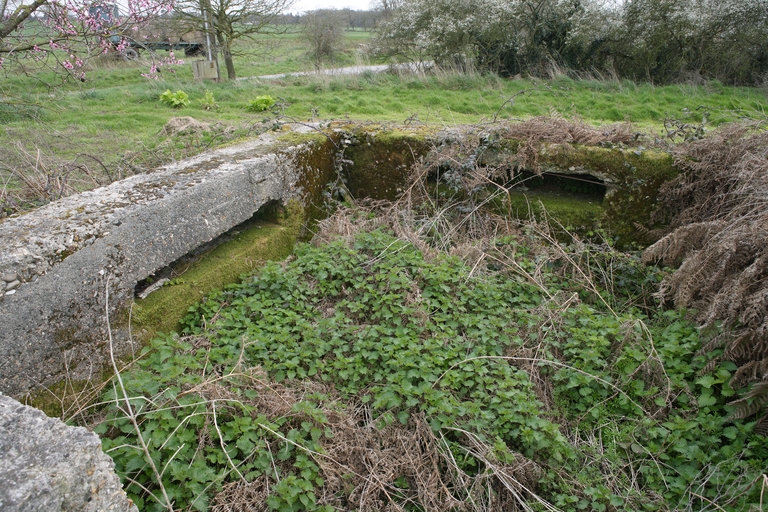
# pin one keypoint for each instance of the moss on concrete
(632, 177)
(622, 164)
(382, 159)
(636, 176)
(576, 214)
(68, 398)
(246, 251)
(293, 138)
(315, 162)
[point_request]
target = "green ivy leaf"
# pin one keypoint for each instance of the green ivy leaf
(706, 399)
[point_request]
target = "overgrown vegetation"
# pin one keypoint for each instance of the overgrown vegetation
(661, 41)
(365, 374)
(115, 117)
(431, 355)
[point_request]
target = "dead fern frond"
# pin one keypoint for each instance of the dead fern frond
(752, 402)
(718, 208)
(674, 247)
(650, 235)
(749, 372)
(717, 342)
(750, 346)
(761, 427)
(557, 129)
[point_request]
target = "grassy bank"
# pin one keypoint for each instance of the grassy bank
(116, 108)
(116, 120)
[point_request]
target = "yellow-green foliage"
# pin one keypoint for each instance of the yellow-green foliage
(575, 214)
(161, 310)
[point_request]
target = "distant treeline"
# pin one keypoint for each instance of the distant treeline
(659, 41)
(356, 20)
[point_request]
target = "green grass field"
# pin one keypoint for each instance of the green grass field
(117, 114)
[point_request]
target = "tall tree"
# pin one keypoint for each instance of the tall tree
(229, 21)
(497, 35)
(655, 40)
(689, 40)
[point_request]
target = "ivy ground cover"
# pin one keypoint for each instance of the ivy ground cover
(364, 374)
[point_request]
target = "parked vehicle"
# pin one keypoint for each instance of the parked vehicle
(153, 37)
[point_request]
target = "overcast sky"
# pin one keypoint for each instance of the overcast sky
(310, 5)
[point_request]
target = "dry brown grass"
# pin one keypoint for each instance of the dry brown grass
(557, 129)
(370, 467)
(718, 208)
(33, 178)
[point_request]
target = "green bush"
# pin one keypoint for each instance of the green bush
(208, 102)
(260, 104)
(178, 99)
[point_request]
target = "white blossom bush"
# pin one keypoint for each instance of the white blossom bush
(654, 40)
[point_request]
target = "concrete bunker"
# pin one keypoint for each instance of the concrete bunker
(151, 226)
(173, 272)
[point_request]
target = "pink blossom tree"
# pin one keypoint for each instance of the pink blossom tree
(63, 34)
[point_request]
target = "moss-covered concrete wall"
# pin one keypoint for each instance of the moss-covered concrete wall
(248, 248)
(632, 178)
(377, 160)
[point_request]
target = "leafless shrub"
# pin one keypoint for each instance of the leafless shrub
(33, 177)
(323, 32)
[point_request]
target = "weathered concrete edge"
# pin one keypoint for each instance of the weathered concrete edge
(72, 252)
(46, 465)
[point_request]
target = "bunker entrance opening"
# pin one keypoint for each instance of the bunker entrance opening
(582, 186)
(267, 213)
